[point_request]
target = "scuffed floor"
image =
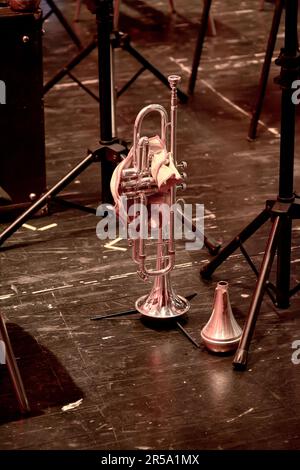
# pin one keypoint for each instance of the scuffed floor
(121, 383)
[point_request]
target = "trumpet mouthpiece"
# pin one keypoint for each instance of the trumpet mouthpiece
(173, 80)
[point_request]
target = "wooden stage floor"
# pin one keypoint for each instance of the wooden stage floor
(137, 386)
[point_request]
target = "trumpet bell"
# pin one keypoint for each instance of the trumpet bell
(221, 333)
(162, 302)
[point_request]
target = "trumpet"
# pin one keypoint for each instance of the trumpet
(150, 173)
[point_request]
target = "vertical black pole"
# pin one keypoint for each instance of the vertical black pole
(104, 17)
(263, 81)
(289, 62)
(199, 45)
(287, 75)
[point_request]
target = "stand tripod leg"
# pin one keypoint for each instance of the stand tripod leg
(240, 358)
(265, 70)
(11, 229)
(77, 10)
(199, 45)
(65, 23)
(13, 369)
(68, 67)
(246, 233)
(283, 265)
(212, 246)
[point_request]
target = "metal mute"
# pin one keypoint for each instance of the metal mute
(221, 333)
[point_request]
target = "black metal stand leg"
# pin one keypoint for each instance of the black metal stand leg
(111, 148)
(68, 67)
(45, 198)
(187, 335)
(265, 69)
(13, 369)
(283, 265)
(199, 45)
(240, 358)
(212, 246)
(65, 23)
(134, 311)
(246, 233)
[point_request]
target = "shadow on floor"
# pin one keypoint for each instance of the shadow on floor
(46, 381)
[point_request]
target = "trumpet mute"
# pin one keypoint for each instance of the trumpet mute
(222, 332)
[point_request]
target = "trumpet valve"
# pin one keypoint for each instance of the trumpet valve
(129, 173)
(182, 165)
(142, 275)
(181, 186)
(183, 175)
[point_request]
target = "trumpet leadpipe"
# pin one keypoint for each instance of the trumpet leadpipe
(173, 81)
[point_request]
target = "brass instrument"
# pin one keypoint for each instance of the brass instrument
(138, 184)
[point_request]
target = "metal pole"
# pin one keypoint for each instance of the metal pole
(104, 18)
(287, 61)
